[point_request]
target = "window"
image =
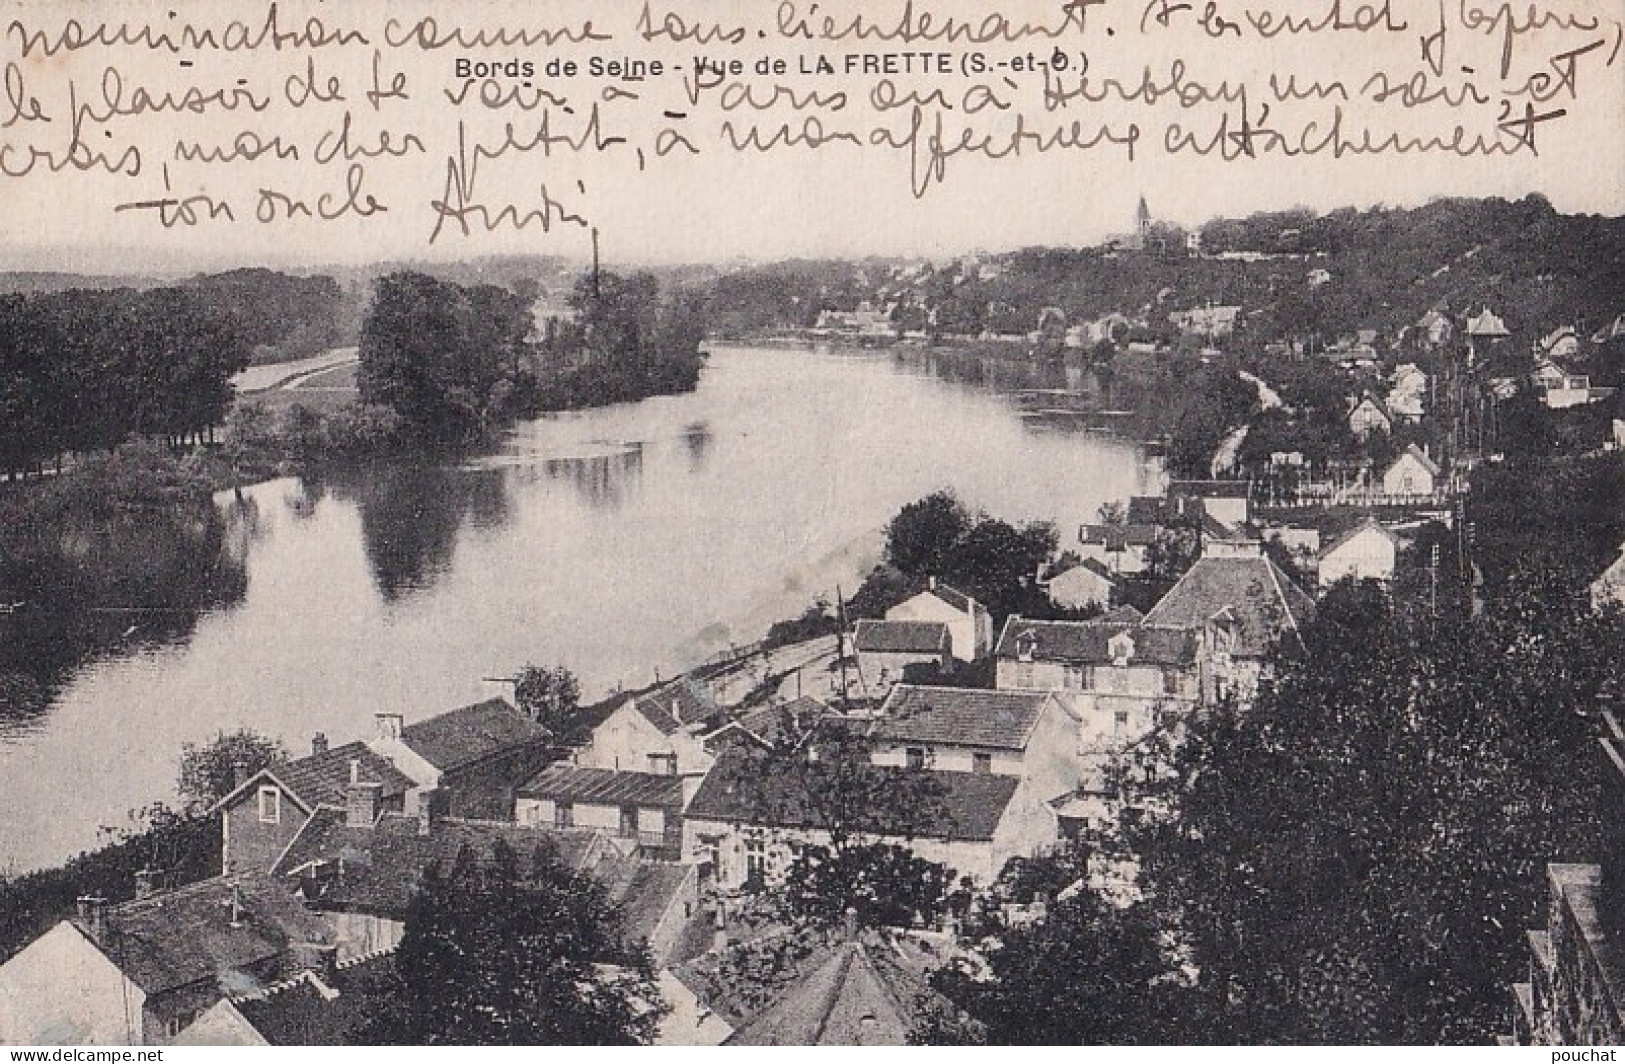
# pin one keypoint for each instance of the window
(916, 757)
(663, 764)
(1122, 718)
(1170, 682)
(1072, 677)
(755, 862)
(564, 815)
(270, 805)
(629, 821)
(981, 764)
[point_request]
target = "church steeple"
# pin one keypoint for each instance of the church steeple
(1142, 217)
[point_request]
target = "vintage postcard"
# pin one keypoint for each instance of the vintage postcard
(697, 522)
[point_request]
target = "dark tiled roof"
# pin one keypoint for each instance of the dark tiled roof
(782, 724)
(736, 790)
(960, 716)
(1118, 537)
(463, 736)
(681, 702)
(1121, 615)
(901, 637)
(1087, 642)
(604, 786)
(853, 993)
(299, 1014)
(1264, 601)
(184, 936)
(644, 890)
(321, 779)
(1148, 510)
(375, 870)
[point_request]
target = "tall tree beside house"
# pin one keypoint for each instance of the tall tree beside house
(882, 884)
(551, 698)
(1352, 857)
(210, 771)
(919, 538)
(494, 954)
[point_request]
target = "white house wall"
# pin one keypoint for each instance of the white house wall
(61, 990)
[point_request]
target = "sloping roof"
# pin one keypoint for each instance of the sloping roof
(952, 596)
(1339, 542)
(901, 637)
(1376, 404)
(1118, 537)
(1486, 324)
(960, 716)
(178, 937)
(463, 736)
(673, 705)
(1421, 456)
(298, 1013)
(1088, 642)
(850, 994)
(375, 869)
(777, 725)
(1147, 510)
(1121, 615)
(970, 805)
(604, 786)
(1264, 602)
(644, 890)
(322, 779)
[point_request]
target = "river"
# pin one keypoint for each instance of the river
(623, 542)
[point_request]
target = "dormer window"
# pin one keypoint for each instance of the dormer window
(1026, 643)
(1121, 648)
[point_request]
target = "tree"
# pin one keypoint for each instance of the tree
(551, 698)
(883, 884)
(208, 772)
(921, 536)
(1087, 973)
(493, 954)
(1352, 857)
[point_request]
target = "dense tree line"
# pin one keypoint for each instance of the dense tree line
(84, 370)
(454, 361)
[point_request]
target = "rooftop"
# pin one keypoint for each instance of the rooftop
(969, 805)
(1263, 602)
(322, 779)
(298, 1013)
(901, 637)
(228, 930)
(672, 706)
(463, 736)
(1088, 642)
(960, 716)
(604, 786)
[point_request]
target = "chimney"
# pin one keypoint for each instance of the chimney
(390, 725)
(146, 881)
(318, 744)
(849, 924)
(932, 582)
(236, 905)
(361, 804)
(93, 915)
(355, 771)
(239, 773)
(426, 812)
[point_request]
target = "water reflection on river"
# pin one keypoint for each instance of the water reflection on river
(621, 542)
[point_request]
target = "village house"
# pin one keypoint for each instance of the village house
(1121, 680)
(1367, 551)
(473, 757)
(643, 809)
(744, 826)
(1228, 502)
(1412, 473)
(1209, 322)
(1119, 549)
(769, 727)
(1243, 604)
(361, 876)
(1082, 586)
(892, 652)
(1028, 734)
(263, 813)
(1368, 417)
(970, 625)
(1407, 397)
(140, 972)
(660, 732)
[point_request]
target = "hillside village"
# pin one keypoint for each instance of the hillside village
(1358, 459)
